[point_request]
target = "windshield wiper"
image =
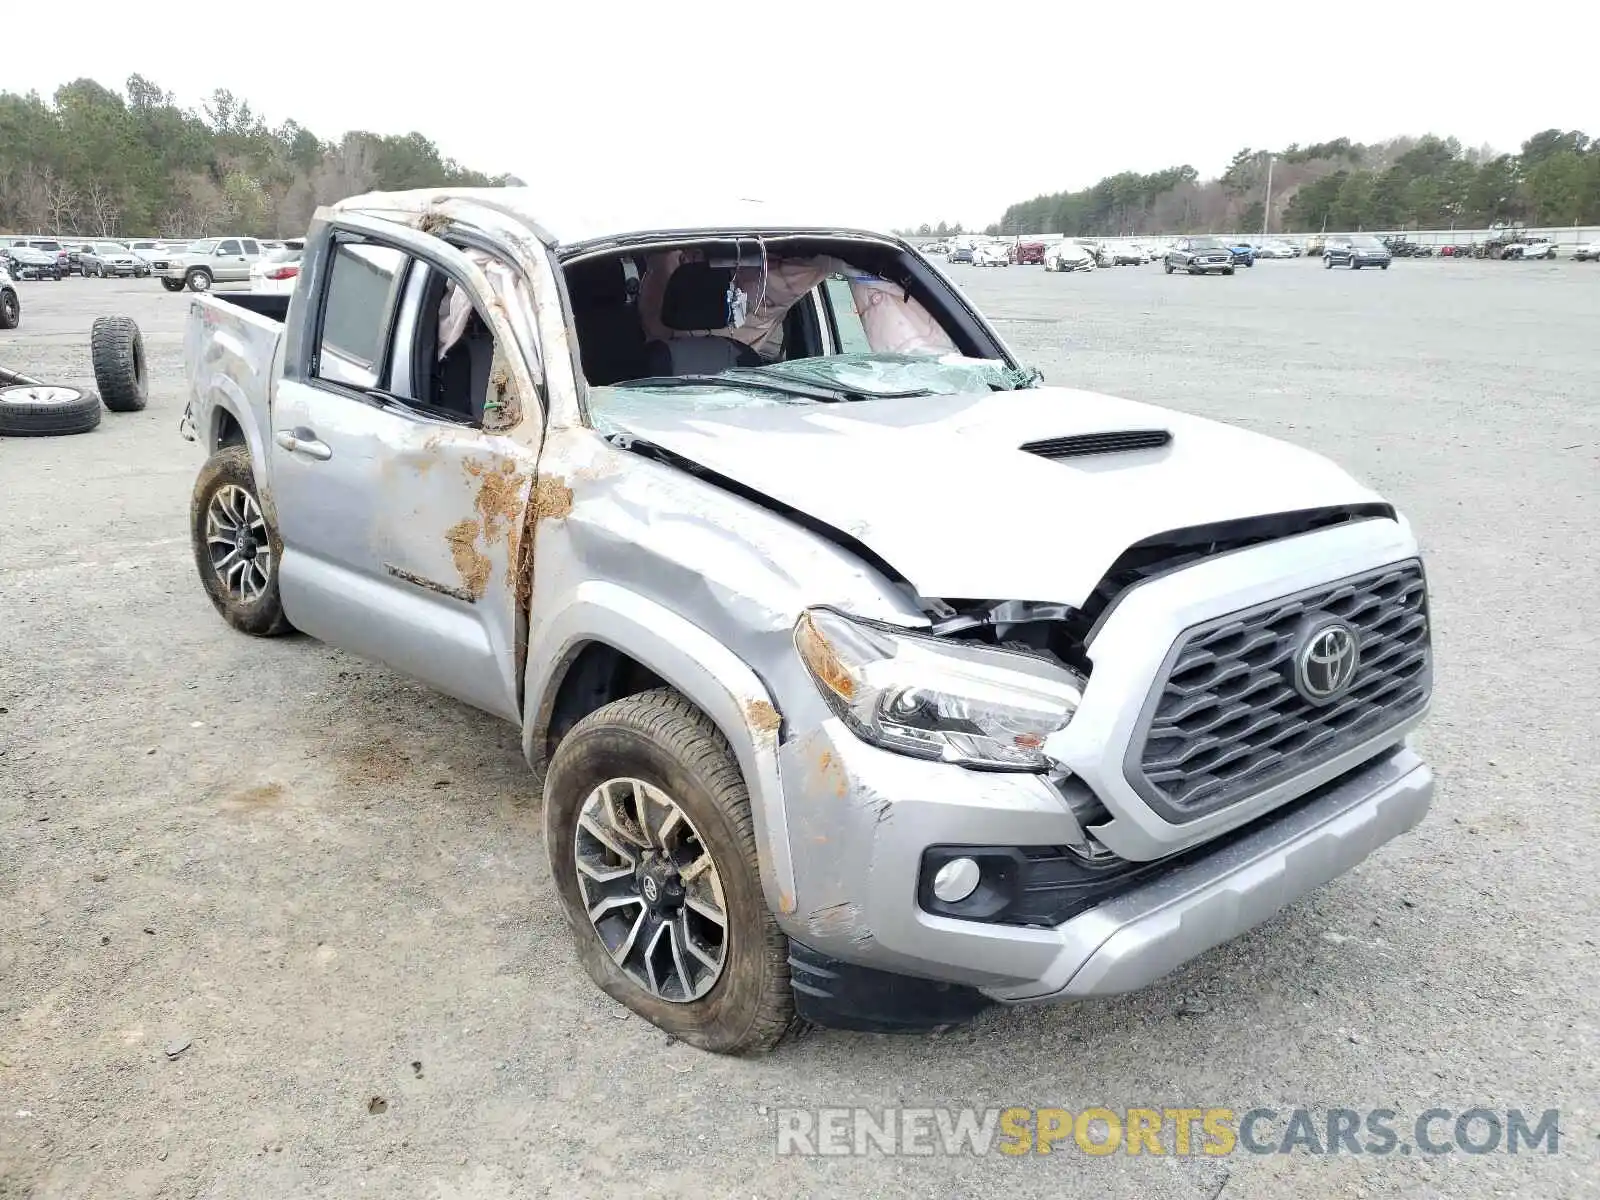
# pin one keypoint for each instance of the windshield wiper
(728, 380)
(835, 390)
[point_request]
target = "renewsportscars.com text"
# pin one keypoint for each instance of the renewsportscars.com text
(1211, 1131)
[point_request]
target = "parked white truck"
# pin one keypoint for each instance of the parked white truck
(870, 681)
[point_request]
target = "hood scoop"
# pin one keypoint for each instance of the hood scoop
(1111, 442)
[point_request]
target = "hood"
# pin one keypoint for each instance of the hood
(938, 488)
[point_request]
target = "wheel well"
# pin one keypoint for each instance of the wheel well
(597, 676)
(229, 432)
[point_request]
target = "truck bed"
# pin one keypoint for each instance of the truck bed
(230, 353)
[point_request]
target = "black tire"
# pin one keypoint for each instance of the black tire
(263, 616)
(660, 738)
(1167, 267)
(1354, 265)
(47, 412)
(1227, 270)
(1327, 263)
(172, 285)
(198, 280)
(117, 349)
(10, 308)
(1383, 266)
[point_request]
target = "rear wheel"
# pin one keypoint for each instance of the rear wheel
(648, 828)
(10, 309)
(235, 549)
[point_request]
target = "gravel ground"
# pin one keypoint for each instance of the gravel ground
(329, 883)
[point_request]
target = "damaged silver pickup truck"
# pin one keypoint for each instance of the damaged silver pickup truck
(870, 681)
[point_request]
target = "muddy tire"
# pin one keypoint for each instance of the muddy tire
(117, 350)
(172, 285)
(723, 988)
(236, 550)
(46, 411)
(10, 308)
(198, 280)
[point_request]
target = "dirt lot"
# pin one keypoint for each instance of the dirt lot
(329, 884)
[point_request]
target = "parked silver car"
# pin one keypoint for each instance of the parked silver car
(725, 512)
(208, 261)
(104, 260)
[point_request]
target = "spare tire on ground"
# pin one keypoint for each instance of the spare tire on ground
(117, 350)
(44, 410)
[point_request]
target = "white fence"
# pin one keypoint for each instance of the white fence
(1565, 237)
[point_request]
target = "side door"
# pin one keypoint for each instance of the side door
(225, 260)
(401, 514)
(251, 256)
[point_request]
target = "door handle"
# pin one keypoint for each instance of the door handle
(303, 441)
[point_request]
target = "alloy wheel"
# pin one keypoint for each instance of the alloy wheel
(651, 890)
(238, 543)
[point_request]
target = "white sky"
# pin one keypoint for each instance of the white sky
(893, 112)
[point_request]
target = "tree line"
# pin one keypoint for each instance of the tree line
(99, 162)
(1404, 183)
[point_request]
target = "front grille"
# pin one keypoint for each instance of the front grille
(1225, 720)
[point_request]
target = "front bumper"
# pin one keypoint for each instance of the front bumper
(858, 819)
(1140, 936)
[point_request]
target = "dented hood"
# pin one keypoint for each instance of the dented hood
(938, 488)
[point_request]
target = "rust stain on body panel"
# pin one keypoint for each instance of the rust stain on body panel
(552, 498)
(762, 716)
(472, 566)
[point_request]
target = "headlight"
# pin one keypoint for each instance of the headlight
(920, 695)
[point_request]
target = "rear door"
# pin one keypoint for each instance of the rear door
(399, 482)
(228, 262)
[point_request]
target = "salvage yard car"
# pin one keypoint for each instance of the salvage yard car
(644, 488)
(26, 262)
(991, 254)
(1361, 250)
(1199, 256)
(1067, 255)
(103, 260)
(205, 262)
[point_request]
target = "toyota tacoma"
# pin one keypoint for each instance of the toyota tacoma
(868, 680)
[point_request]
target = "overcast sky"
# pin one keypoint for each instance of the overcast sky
(892, 112)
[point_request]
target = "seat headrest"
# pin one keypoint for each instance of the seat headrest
(597, 282)
(696, 297)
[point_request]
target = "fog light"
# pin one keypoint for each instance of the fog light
(956, 880)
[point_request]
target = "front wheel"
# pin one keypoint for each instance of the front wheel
(198, 281)
(1327, 264)
(1354, 265)
(172, 285)
(235, 550)
(1384, 266)
(1168, 267)
(1227, 270)
(651, 843)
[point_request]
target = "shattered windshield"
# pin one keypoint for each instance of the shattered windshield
(882, 375)
(837, 378)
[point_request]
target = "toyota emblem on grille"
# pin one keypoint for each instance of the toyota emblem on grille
(1325, 665)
